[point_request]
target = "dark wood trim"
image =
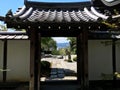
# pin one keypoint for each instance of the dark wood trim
(32, 51)
(34, 60)
(2, 18)
(79, 59)
(25, 1)
(47, 5)
(85, 58)
(114, 58)
(114, 61)
(38, 49)
(55, 25)
(5, 61)
(82, 43)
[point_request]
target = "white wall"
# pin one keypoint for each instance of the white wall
(100, 59)
(18, 60)
(99, 56)
(1, 59)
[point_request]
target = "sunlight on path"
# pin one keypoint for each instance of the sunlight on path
(61, 70)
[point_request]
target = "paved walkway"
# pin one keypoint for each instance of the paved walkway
(61, 70)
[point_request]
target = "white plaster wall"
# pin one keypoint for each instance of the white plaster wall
(18, 60)
(118, 56)
(1, 59)
(100, 59)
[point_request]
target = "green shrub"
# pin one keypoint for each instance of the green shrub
(45, 68)
(69, 60)
(75, 59)
(55, 52)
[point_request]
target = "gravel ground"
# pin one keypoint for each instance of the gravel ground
(70, 68)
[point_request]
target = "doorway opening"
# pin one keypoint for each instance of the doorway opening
(58, 59)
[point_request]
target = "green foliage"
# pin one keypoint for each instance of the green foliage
(45, 68)
(59, 52)
(69, 60)
(62, 51)
(113, 24)
(117, 74)
(3, 28)
(48, 44)
(75, 59)
(72, 44)
(55, 52)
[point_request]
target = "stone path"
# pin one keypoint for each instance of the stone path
(57, 71)
(61, 68)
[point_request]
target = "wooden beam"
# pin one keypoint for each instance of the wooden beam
(5, 61)
(59, 6)
(82, 64)
(34, 60)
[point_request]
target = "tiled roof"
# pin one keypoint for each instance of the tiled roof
(54, 16)
(41, 15)
(13, 36)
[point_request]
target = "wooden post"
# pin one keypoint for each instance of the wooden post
(5, 61)
(82, 42)
(34, 60)
(39, 59)
(79, 57)
(114, 58)
(85, 58)
(114, 61)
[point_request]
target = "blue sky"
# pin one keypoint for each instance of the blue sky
(6, 5)
(61, 39)
(59, 0)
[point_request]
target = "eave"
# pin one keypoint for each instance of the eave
(47, 5)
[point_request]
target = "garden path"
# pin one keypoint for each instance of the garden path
(61, 70)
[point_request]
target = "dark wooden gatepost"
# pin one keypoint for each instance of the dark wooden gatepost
(34, 59)
(5, 61)
(114, 61)
(82, 59)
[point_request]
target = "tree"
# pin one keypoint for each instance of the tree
(48, 44)
(3, 28)
(68, 53)
(72, 41)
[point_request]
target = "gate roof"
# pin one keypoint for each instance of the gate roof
(63, 15)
